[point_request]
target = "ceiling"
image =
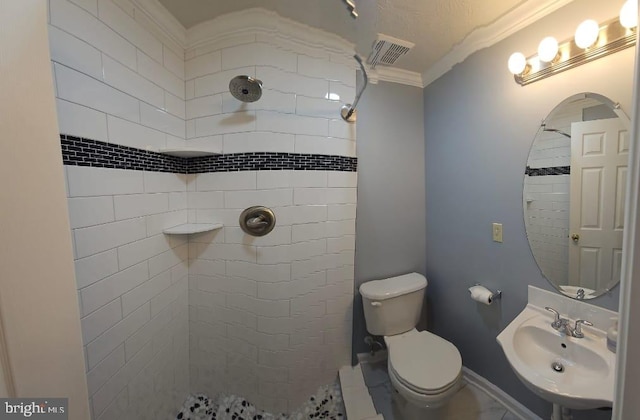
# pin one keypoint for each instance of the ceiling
(435, 26)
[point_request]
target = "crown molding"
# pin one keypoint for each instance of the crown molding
(395, 75)
(259, 21)
(163, 19)
(507, 25)
(255, 21)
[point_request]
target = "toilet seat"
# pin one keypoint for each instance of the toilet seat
(423, 362)
(422, 391)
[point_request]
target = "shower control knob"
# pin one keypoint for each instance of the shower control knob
(257, 220)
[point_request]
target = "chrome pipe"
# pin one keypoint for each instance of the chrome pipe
(348, 111)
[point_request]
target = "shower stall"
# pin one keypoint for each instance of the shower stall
(167, 135)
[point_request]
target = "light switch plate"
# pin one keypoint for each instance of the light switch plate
(497, 232)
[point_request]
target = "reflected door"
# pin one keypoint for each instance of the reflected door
(599, 158)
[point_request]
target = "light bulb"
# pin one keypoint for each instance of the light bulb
(587, 33)
(548, 49)
(517, 63)
(629, 14)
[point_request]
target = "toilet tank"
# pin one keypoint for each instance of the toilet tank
(393, 305)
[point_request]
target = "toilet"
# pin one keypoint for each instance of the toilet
(425, 370)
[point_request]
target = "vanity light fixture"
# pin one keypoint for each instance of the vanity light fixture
(629, 14)
(517, 63)
(548, 50)
(587, 33)
(590, 43)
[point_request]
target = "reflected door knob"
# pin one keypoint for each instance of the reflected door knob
(575, 237)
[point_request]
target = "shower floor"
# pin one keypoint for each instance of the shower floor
(325, 404)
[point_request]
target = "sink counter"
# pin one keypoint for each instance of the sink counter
(573, 372)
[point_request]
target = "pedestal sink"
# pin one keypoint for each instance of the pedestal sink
(572, 372)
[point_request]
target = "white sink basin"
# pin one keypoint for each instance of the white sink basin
(532, 347)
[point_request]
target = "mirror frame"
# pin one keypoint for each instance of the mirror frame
(626, 122)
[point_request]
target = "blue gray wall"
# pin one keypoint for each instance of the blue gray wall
(479, 125)
(390, 217)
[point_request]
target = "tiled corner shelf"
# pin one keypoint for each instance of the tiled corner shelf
(189, 228)
(187, 152)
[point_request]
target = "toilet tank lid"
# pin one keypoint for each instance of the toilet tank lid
(393, 286)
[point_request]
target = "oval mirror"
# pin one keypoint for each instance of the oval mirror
(574, 195)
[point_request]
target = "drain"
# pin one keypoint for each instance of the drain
(557, 367)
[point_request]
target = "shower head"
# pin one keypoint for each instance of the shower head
(245, 88)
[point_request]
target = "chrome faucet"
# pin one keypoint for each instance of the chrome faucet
(564, 325)
(577, 329)
(558, 323)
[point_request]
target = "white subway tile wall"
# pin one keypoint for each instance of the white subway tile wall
(299, 109)
(117, 82)
(280, 300)
(270, 317)
(267, 318)
(132, 282)
(111, 69)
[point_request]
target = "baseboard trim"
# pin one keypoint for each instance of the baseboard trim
(510, 403)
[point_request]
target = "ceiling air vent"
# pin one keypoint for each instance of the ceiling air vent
(387, 50)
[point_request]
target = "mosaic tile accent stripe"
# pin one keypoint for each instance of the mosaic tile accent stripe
(79, 151)
(554, 170)
(265, 161)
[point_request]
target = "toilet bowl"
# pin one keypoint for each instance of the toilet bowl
(425, 370)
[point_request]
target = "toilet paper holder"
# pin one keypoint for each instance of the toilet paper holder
(494, 295)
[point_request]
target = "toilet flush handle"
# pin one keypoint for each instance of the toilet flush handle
(376, 304)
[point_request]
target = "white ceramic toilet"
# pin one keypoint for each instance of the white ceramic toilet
(425, 370)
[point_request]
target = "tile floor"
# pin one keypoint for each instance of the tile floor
(471, 403)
